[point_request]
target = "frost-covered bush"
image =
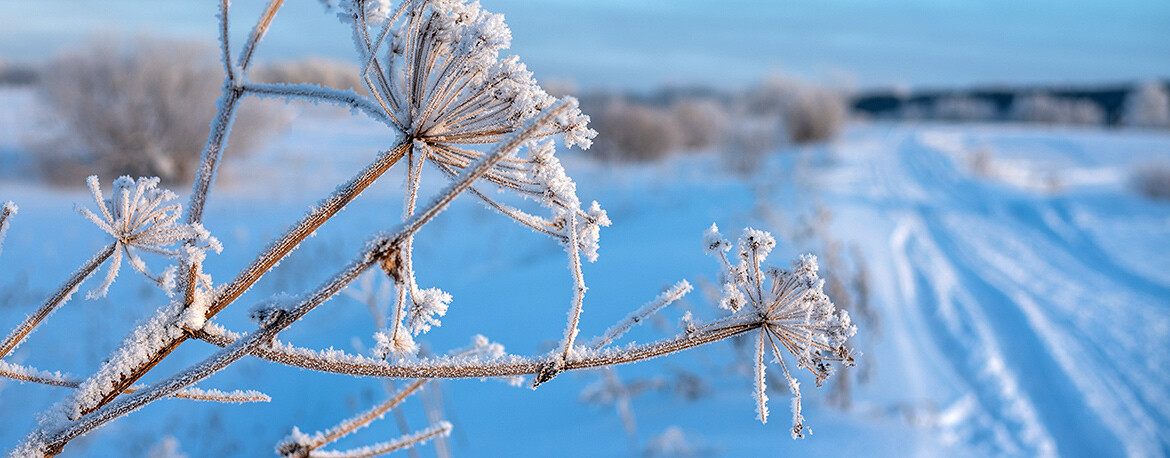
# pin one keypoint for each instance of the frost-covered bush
(1152, 180)
(136, 107)
(810, 113)
(815, 115)
(1147, 106)
(962, 108)
(630, 132)
(702, 122)
(1045, 109)
(437, 79)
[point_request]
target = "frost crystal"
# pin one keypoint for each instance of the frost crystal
(138, 217)
(429, 304)
(6, 212)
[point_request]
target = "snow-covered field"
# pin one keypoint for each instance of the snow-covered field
(1023, 312)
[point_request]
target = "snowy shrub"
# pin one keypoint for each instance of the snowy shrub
(702, 122)
(961, 108)
(815, 115)
(1152, 180)
(1046, 109)
(630, 132)
(136, 107)
(435, 77)
(810, 113)
(1147, 106)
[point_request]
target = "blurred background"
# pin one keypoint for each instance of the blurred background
(986, 185)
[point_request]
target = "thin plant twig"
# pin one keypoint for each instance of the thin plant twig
(32, 375)
(297, 445)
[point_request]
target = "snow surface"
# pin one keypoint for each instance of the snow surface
(1017, 318)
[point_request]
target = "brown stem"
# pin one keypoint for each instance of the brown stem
(383, 448)
(366, 417)
(283, 354)
(258, 33)
(59, 297)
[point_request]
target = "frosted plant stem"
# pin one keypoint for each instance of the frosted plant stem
(458, 368)
(313, 220)
(321, 213)
(311, 92)
(33, 375)
(439, 430)
(432, 400)
(356, 422)
(58, 298)
(571, 328)
(221, 124)
(760, 387)
(225, 48)
(258, 32)
(406, 264)
(667, 297)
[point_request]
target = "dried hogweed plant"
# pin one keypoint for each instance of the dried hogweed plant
(435, 77)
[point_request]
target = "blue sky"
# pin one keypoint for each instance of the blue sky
(629, 44)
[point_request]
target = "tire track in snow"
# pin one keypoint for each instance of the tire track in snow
(1044, 378)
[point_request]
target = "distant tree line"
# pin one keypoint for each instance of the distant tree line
(1144, 104)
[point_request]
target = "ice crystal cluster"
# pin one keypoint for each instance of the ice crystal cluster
(6, 212)
(138, 216)
(791, 307)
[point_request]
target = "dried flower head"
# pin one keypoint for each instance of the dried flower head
(436, 71)
(138, 217)
(792, 309)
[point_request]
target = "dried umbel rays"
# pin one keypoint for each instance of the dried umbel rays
(791, 308)
(435, 77)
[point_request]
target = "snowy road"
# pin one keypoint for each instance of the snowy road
(1050, 338)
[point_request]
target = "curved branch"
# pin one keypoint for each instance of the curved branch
(355, 365)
